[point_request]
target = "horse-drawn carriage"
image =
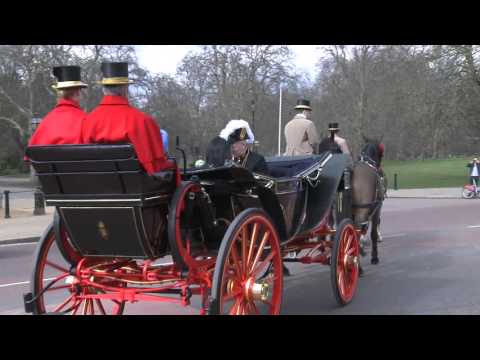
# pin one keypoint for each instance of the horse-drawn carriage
(228, 232)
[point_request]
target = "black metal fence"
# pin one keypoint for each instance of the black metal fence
(38, 201)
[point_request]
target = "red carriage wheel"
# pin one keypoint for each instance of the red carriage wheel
(55, 290)
(248, 277)
(345, 262)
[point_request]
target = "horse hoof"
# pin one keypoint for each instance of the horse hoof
(375, 261)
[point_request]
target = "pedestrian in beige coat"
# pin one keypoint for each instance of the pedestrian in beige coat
(300, 132)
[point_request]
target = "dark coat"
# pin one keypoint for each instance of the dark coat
(327, 144)
(256, 163)
(217, 152)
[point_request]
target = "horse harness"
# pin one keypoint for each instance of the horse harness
(373, 206)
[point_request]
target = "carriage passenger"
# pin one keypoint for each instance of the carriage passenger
(116, 121)
(243, 155)
(233, 143)
(218, 151)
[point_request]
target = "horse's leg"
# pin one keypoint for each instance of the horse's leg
(363, 242)
(374, 236)
(379, 213)
(379, 234)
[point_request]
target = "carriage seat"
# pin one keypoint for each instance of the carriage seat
(98, 170)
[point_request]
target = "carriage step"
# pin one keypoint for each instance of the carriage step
(28, 302)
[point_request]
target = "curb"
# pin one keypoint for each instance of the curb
(20, 241)
(20, 184)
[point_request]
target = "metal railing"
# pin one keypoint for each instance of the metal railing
(38, 197)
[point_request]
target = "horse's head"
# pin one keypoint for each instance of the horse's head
(373, 150)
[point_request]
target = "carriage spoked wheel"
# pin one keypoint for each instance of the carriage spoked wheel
(248, 277)
(186, 252)
(56, 291)
(345, 262)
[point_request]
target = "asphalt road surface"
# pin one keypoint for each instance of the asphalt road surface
(429, 262)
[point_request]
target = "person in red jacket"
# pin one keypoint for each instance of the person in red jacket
(116, 121)
(63, 125)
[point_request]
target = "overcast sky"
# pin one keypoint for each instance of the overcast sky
(165, 58)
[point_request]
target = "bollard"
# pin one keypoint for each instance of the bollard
(7, 204)
(39, 203)
(395, 182)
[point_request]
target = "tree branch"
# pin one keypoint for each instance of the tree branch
(14, 124)
(19, 107)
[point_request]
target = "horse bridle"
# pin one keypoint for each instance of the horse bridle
(369, 161)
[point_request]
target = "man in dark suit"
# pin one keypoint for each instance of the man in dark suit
(243, 156)
(334, 143)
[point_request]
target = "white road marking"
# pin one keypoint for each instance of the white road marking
(22, 283)
(13, 284)
(473, 226)
(30, 243)
(393, 235)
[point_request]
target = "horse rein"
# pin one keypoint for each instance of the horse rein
(369, 161)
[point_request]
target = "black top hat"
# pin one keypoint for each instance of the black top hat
(303, 104)
(115, 73)
(238, 135)
(333, 126)
(67, 77)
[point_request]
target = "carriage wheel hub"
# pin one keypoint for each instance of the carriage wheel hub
(350, 260)
(256, 291)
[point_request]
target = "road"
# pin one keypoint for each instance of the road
(428, 265)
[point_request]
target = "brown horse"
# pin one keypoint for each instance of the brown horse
(368, 193)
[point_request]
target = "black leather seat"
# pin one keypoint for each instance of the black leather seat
(95, 170)
(106, 185)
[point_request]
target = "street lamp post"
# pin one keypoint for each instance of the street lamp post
(253, 115)
(280, 123)
(39, 199)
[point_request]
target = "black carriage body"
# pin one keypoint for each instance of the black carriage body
(298, 194)
(109, 205)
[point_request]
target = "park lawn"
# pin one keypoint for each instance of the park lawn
(427, 173)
